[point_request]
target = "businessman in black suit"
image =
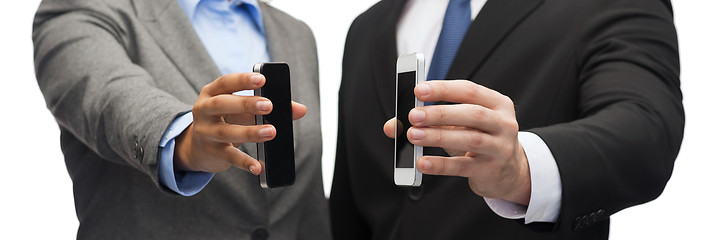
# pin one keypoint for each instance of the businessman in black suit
(595, 81)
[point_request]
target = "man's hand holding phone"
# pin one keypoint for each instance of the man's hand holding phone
(480, 134)
(223, 122)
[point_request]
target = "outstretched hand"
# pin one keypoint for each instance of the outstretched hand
(479, 133)
(223, 122)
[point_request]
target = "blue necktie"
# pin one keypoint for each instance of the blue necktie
(456, 22)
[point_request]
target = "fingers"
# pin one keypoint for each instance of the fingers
(194, 153)
(462, 91)
(234, 82)
(223, 120)
(252, 105)
(232, 104)
(298, 110)
(463, 139)
(224, 156)
(240, 119)
(464, 115)
(263, 108)
(231, 133)
(242, 160)
(389, 128)
(448, 166)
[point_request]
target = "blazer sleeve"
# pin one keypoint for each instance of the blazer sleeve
(621, 151)
(93, 88)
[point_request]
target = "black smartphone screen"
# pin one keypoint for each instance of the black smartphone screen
(405, 102)
(278, 152)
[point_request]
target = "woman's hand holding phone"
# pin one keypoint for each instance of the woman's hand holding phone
(223, 122)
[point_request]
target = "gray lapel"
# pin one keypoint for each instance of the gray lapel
(277, 37)
(172, 30)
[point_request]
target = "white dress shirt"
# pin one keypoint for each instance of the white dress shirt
(418, 31)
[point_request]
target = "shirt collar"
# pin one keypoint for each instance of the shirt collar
(253, 8)
(255, 11)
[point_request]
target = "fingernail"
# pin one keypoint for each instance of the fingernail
(263, 105)
(266, 132)
(423, 89)
(252, 169)
(426, 164)
(417, 115)
(416, 134)
(256, 79)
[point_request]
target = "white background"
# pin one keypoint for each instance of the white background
(36, 199)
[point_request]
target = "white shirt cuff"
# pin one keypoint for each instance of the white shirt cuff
(545, 199)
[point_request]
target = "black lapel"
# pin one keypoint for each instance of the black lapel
(492, 24)
(383, 55)
(172, 31)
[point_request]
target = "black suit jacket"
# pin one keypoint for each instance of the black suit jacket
(597, 80)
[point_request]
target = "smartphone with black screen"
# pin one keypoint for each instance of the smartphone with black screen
(410, 71)
(276, 155)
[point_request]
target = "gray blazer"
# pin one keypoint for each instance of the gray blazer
(115, 73)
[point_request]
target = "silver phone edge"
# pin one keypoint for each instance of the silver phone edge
(418, 150)
(259, 120)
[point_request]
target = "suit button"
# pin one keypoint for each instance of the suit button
(596, 216)
(260, 233)
(580, 222)
(600, 213)
(415, 193)
(592, 218)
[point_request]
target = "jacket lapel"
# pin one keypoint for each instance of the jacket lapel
(493, 23)
(383, 55)
(172, 31)
(277, 37)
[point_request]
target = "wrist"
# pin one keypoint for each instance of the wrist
(182, 151)
(522, 190)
